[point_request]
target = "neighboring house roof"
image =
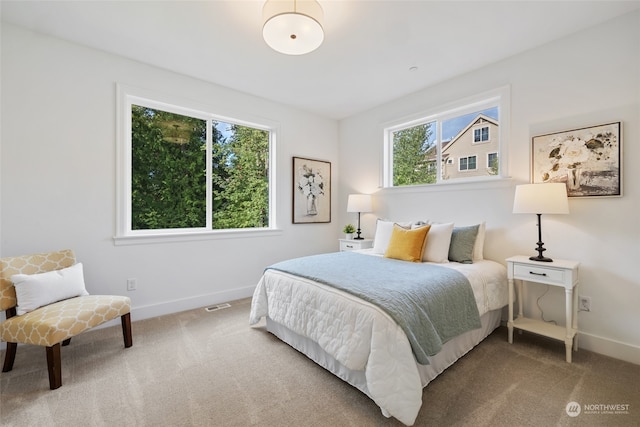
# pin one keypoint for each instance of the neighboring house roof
(431, 154)
(466, 128)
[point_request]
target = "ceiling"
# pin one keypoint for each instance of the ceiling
(365, 60)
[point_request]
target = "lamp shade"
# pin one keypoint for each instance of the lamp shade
(359, 203)
(541, 199)
(293, 27)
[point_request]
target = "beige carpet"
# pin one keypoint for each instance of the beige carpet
(211, 369)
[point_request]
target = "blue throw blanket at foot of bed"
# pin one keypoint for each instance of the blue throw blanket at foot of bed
(432, 304)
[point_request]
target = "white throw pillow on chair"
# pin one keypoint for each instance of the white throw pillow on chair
(37, 290)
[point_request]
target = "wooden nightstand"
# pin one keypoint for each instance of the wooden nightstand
(352, 245)
(563, 273)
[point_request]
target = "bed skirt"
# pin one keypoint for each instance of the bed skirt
(451, 351)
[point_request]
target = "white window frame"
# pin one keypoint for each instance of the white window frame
(467, 158)
(489, 160)
(128, 96)
(500, 97)
(480, 128)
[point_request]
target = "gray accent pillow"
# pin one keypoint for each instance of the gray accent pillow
(463, 240)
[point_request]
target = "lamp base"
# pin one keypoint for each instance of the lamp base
(358, 237)
(540, 258)
(540, 245)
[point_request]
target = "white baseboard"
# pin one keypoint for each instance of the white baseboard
(176, 306)
(608, 347)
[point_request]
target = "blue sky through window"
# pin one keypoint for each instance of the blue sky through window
(452, 127)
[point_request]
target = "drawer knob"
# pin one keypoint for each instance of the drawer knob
(538, 274)
(350, 246)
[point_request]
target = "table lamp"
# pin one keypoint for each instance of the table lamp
(359, 203)
(541, 199)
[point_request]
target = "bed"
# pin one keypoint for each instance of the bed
(366, 344)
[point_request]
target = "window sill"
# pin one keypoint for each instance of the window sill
(187, 236)
(458, 185)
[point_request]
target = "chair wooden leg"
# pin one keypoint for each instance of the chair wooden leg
(55, 366)
(10, 356)
(126, 330)
(66, 342)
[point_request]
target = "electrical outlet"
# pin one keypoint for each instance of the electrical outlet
(584, 303)
(132, 284)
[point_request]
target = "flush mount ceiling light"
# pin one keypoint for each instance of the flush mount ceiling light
(292, 27)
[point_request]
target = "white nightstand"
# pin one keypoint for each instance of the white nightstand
(561, 273)
(352, 245)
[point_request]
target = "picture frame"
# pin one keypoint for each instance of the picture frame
(588, 160)
(311, 191)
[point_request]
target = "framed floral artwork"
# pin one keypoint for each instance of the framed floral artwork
(311, 191)
(588, 160)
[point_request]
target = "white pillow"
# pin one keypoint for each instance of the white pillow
(383, 234)
(37, 290)
(437, 245)
(478, 247)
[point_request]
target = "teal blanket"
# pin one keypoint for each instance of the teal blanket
(432, 304)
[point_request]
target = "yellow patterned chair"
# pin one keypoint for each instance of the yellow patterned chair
(56, 323)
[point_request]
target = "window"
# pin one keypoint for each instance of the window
(492, 163)
(423, 150)
(481, 134)
(187, 171)
(414, 155)
(467, 163)
(168, 163)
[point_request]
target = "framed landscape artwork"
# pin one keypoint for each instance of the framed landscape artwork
(311, 191)
(588, 160)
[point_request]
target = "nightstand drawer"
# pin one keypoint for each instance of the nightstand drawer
(539, 274)
(352, 245)
(348, 246)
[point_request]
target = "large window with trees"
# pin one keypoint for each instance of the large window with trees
(190, 171)
(462, 141)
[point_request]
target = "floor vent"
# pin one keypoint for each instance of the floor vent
(217, 307)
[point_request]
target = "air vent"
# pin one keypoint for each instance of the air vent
(217, 307)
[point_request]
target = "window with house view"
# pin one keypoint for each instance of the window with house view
(481, 134)
(191, 171)
(468, 163)
(459, 143)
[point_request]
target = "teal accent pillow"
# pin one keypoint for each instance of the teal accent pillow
(463, 240)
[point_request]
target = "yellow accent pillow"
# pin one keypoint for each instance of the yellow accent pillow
(407, 245)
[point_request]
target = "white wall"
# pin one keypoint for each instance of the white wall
(57, 174)
(589, 78)
(59, 164)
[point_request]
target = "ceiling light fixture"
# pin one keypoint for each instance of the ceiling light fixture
(293, 27)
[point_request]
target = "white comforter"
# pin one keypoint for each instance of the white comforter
(360, 335)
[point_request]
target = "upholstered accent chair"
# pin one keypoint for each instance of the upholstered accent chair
(53, 324)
